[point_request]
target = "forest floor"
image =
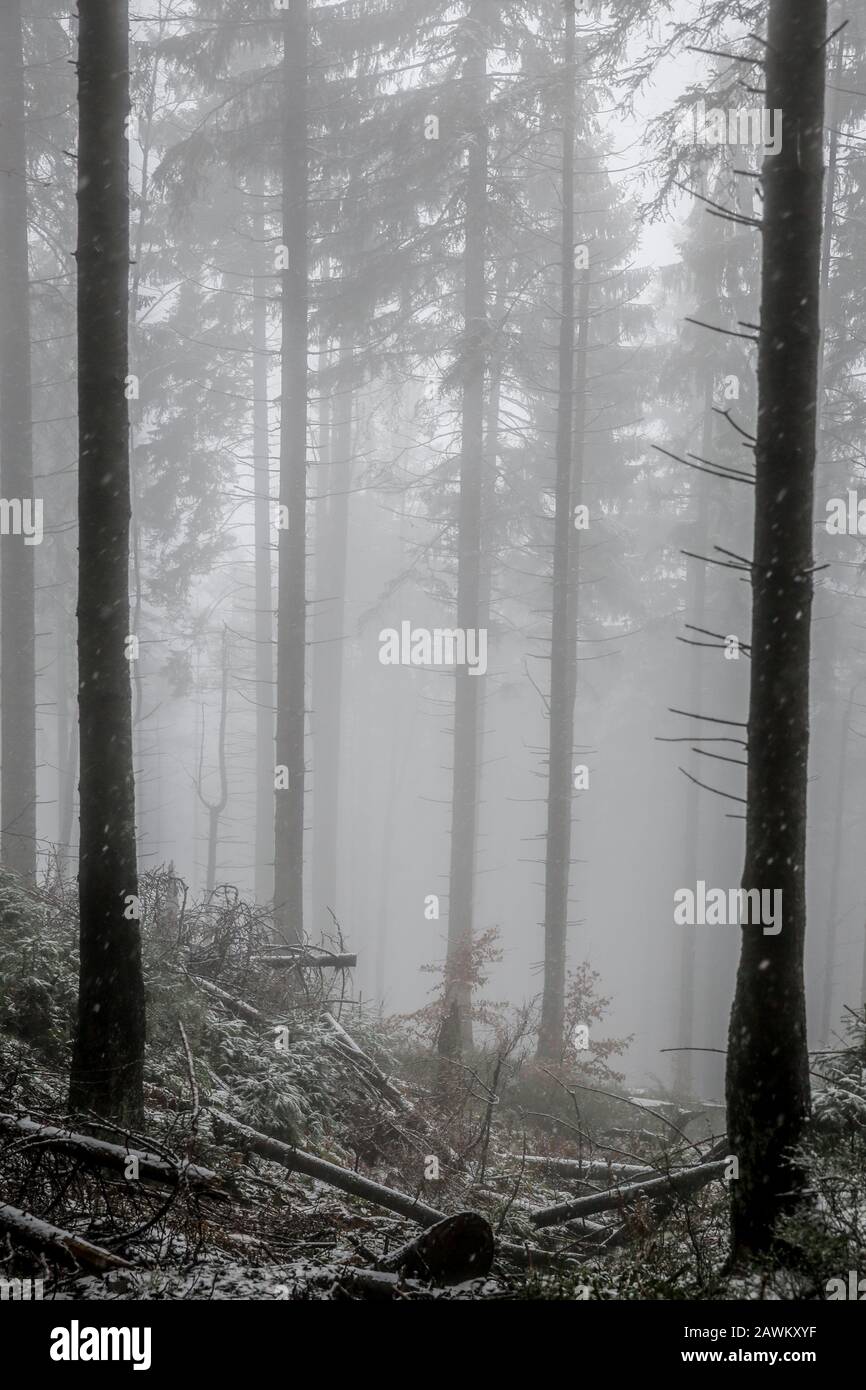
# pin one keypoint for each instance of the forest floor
(256, 1073)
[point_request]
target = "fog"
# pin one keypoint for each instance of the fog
(440, 606)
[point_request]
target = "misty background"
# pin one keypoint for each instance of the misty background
(383, 458)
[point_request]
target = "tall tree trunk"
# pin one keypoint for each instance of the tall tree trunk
(292, 604)
(328, 655)
(216, 808)
(17, 621)
(830, 635)
(135, 427)
(768, 1074)
(562, 680)
(264, 618)
(578, 453)
(67, 726)
(67, 741)
(468, 692)
(683, 1063)
(838, 834)
(398, 761)
(108, 1054)
(488, 495)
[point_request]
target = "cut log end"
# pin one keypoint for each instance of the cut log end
(459, 1248)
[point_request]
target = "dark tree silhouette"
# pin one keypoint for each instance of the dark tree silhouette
(107, 1063)
(768, 1074)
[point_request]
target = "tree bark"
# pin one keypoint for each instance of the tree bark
(67, 729)
(458, 1248)
(63, 1246)
(99, 1153)
(312, 961)
(17, 618)
(468, 687)
(291, 582)
(108, 1053)
(683, 1181)
(831, 621)
(838, 834)
(215, 808)
(768, 1075)
(343, 1178)
(557, 862)
(264, 617)
(332, 535)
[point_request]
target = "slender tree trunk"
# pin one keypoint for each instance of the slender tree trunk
(488, 494)
(768, 1074)
(468, 692)
(17, 620)
(838, 835)
(264, 618)
(321, 727)
(578, 452)
(67, 805)
(67, 743)
(697, 588)
(830, 637)
(108, 1054)
(328, 656)
(135, 424)
(216, 808)
(561, 714)
(292, 604)
(399, 756)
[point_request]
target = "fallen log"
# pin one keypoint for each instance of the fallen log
(521, 1204)
(151, 1167)
(627, 1232)
(236, 1006)
(295, 1160)
(63, 1246)
(459, 1248)
(573, 1169)
(287, 960)
(683, 1180)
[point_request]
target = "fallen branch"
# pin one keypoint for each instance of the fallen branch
(151, 1167)
(627, 1232)
(61, 1245)
(522, 1204)
(288, 960)
(236, 1006)
(343, 1178)
(685, 1180)
(386, 1088)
